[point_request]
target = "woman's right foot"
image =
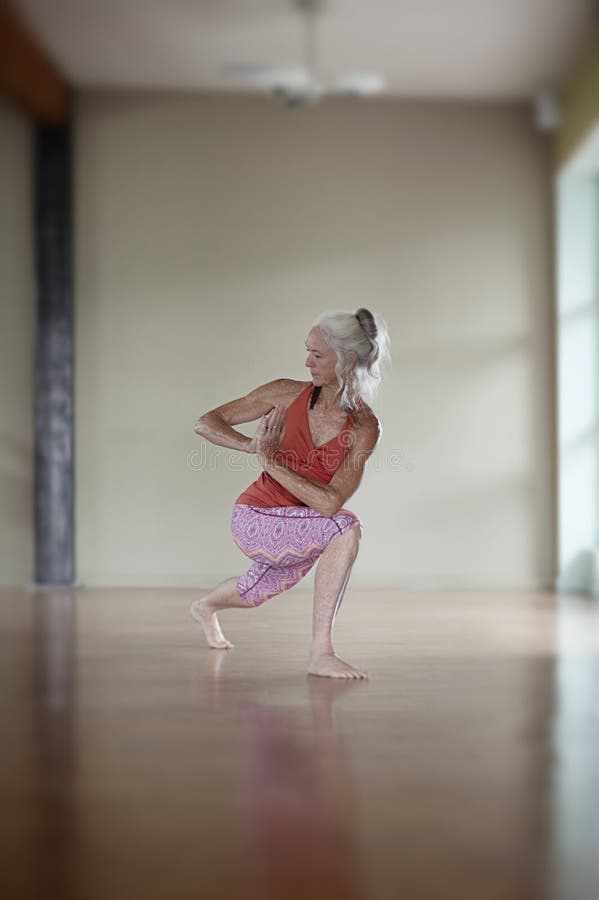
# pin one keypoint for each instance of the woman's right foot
(330, 665)
(202, 613)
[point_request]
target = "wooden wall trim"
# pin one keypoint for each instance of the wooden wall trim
(28, 77)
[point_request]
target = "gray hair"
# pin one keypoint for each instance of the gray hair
(366, 334)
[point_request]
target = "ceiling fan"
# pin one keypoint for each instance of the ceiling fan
(302, 86)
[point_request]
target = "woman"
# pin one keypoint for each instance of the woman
(313, 440)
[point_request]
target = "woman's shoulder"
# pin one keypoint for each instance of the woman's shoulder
(286, 390)
(292, 385)
(366, 423)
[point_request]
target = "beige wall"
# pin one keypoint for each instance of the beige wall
(212, 230)
(16, 348)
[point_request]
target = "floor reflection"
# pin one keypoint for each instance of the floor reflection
(296, 803)
(54, 745)
(576, 732)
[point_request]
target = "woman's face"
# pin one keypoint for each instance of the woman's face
(321, 359)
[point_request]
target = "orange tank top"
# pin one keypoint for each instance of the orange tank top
(297, 452)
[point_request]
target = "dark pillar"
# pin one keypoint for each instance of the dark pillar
(54, 475)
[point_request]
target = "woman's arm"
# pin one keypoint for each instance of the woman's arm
(216, 424)
(215, 429)
(326, 499)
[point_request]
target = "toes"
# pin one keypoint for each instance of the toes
(339, 670)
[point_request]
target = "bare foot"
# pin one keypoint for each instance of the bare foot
(329, 664)
(209, 622)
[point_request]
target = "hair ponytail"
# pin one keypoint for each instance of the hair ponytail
(366, 335)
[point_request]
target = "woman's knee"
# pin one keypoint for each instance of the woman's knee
(347, 518)
(351, 523)
(351, 537)
(356, 531)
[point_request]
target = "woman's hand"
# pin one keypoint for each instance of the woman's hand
(270, 433)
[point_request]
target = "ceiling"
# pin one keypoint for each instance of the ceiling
(493, 49)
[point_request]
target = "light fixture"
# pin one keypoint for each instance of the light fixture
(295, 86)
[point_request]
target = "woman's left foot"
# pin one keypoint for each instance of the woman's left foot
(330, 665)
(209, 622)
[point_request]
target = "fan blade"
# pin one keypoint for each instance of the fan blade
(268, 78)
(364, 84)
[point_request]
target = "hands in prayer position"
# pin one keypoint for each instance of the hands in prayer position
(269, 434)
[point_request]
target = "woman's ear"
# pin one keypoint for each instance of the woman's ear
(352, 357)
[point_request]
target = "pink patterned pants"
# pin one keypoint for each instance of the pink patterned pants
(284, 542)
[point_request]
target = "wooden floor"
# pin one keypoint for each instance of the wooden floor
(139, 763)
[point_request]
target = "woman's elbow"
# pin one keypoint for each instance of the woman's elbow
(331, 505)
(200, 426)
